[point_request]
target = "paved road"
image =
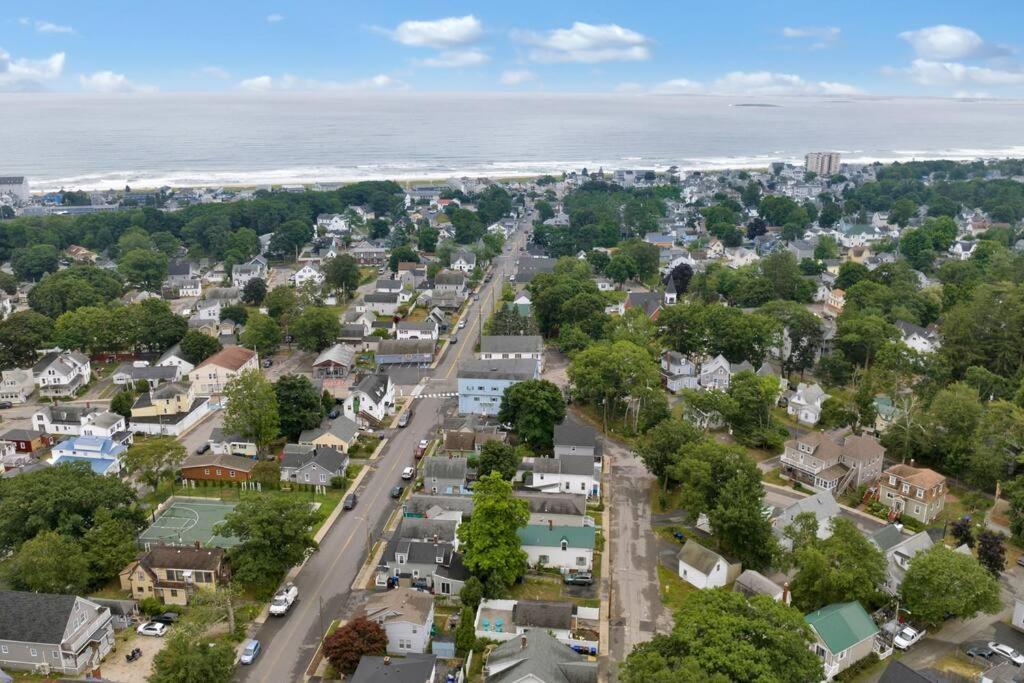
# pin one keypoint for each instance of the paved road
(324, 582)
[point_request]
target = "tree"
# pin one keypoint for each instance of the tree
(31, 263)
(659, 447)
(802, 532)
(465, 633)
(235, 312)
(926, 587)
(144, 269)
(722, 635)
(154, 457)
(746, 407)
(49, 563)
(73, 288)
(472, 593)
(109, 545)
(63, 498)
(846, 566)
(8, 283)
(316, 328)
(267, 472)
(189, 658)
(122, 403)
(680, 276)
(963, 531)
(262, 334)
(997, 442)
(300, 404)
(252, 410)
(281, 303)
(289, 237)
(254, 291)
(490, 541)
(620, 268)
(402, 254)
(498, 457)
(902, 211)
(607, 373)
(20, 335)
(426, 239)
(357, 638)
(197, 347)
(274, 535)
(533, 407)
(342, 272)
(992, 551)
(152, 325)
(801, 329)
(952, 421)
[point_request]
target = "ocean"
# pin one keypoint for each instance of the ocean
(99, 142)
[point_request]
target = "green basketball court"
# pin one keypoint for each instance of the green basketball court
(187, 521)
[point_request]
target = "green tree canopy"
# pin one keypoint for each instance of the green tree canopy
(490, 542)
(300, 405)
(252, 409)
(533, 407)
(926, 587)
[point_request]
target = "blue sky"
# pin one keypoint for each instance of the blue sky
(903, 47)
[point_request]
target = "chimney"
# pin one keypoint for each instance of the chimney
(387, 661)
(785, 593)
(522, 643)
(551, 525)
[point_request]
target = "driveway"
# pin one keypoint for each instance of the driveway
(117, 670)
(636, 610)
(294, 362)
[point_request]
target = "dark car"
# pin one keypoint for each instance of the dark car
(421, 584)
(267, 363)
(333, 414)
(981, 652)
(167, 618)
(403, 419)
(350, 502)
(6, 404)
(454, 339)
(396, 492)
(580, 579)
(202, 449)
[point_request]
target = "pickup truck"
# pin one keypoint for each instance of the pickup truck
(283, 600)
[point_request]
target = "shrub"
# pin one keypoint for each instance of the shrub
(151, 606)
(338, 482)
(359, 637)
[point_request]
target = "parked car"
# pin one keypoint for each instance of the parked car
(1008, 652)
(350, 502)
(167, 618)
(981, 651)
(403, 419)
(907, 636)
(202, 449)
(283, 600)
(454, 339)
(267, 362)
(396, 491)
(333, 414)
(152, 628)
(422, 448)
(580, 579)
(421, 584)
(250, 652)
(6, 404)
(462, 323)
(408, 473)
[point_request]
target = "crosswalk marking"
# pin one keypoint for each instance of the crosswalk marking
(449, 394)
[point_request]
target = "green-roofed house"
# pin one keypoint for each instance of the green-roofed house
(844, 634)
(568, 548)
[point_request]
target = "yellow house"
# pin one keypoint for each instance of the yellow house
(166, 399)
(339, 434)
(212, 375)
(173, 574)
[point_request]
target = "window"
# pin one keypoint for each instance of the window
(218, 472)
(3, 649)
(906, 487)
(33, 652)
(917, 509)
(583, 486)
(56, 655)
(566, 486)
(543, 559)
(446, 588)
(565, 544)
(206, 471)
(892, 481)
(231, 473)
(919, 493)
(581, 561)
(307, 476)
(842, 655)
(174, 593)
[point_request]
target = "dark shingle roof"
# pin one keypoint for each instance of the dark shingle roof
(412, 668)
(34, 617)
(374, 386)
(328, 458)
(543, 614)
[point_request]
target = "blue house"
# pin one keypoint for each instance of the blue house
(482, 383)
(102, 453)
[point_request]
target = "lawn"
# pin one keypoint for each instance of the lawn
(550, 587)
(364, 446)
(673, 589)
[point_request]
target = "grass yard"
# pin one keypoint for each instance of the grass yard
(673, 589)
(364, 446)
(772, 477)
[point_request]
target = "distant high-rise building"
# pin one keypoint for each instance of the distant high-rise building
(17, 186)
(822, 163)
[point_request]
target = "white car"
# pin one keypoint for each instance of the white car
(408, 473)
(907, 636)
(1008, 652)
(462, 323)
(151, 628)
(283, 600)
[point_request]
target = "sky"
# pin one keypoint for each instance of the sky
(744, 47)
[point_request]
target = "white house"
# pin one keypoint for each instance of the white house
(805, 403)
(332, 222)
(530, 621)
(504, 347)
(570, 473)
(308, 273)
(920, 339)
(464, 261)
(61, 373)
(382, 303)
(704, 568)
(406, 615)
(678, 371)
(413, 329)
(371, 399)
(209, 309)
(174, 358)
(963, 249)
(566, 548)
(16, 386)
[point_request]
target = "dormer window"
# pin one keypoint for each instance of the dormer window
(565, 544)
(892, 481)
(906, 487)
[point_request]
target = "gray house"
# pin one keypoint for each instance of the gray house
(53, 633)
(445, 475)
(316, 466)
(573, 437)
(538, 656)
(418, 548)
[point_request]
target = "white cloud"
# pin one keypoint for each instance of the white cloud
(274, 18)
(817, 32)
(944, 42)
(930, 73)
(29, 74)
(214, 72)
(295, 83)
(110, 82)
(455, 58)
(50, 27)
(678, 86)
(439, 33)
(587, 43)
(771, 83)
(517, 76)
